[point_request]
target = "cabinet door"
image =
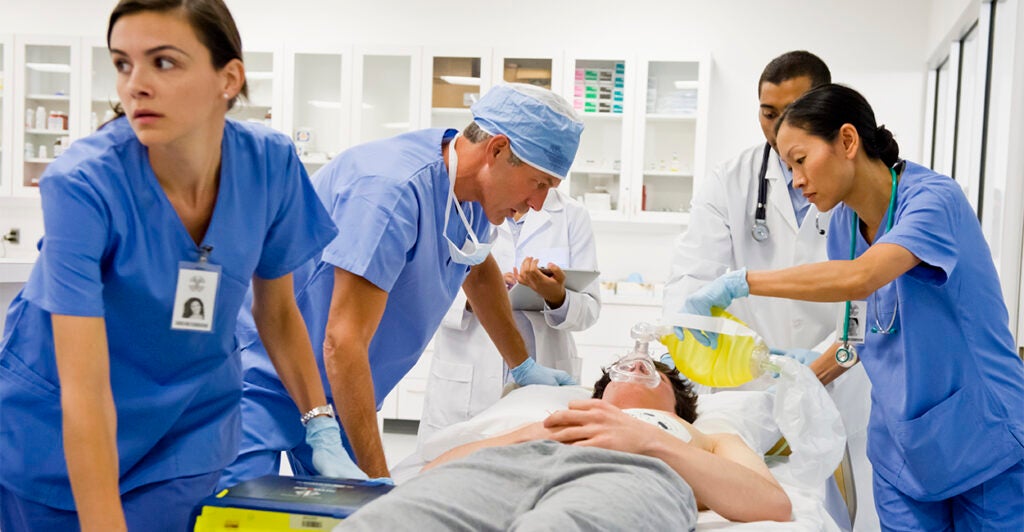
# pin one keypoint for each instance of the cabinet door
(7, 118)
(264, 78)
(598, 87)
(386, 92)
(454, 80)
(317, 94)
(669, 138)
(47, 72)
(534, 67)
(99, 94)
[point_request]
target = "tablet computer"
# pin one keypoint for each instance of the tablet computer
(524, 298)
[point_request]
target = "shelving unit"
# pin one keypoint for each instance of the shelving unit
(453, 80)
(263, 75)
(100, 95)
(317, 93)
(47, 82)
(385, 92)
(6, 112)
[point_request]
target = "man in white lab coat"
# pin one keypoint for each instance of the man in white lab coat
(728, 231)
(466, 376)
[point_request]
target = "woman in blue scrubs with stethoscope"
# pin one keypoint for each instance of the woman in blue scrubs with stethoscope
(946, 436)
(120, 408)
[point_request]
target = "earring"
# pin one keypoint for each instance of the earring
(227, 96)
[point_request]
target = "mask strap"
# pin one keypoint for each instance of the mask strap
(453, 160)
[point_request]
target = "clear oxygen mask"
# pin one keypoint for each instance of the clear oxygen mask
(637, 365)
(740, 356)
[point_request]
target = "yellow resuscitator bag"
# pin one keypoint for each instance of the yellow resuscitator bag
(740, 357)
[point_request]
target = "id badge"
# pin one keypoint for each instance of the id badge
(196, 297)
(857, 321)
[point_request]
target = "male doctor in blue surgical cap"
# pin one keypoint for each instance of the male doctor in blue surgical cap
(413, 214)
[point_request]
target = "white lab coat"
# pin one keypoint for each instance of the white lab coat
(467, 373)
(718, 239)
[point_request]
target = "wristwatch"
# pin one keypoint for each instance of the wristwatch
(324, 410)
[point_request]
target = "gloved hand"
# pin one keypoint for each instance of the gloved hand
(668, 360)
(803, 356)
(718, 293)
(530, 372)
(329, 457)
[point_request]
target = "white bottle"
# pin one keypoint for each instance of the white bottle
(29, 118)
(41, 117)
(94, 122)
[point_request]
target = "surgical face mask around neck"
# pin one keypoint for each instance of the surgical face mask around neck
(472, 251)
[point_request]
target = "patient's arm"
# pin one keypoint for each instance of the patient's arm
(725, 474)
(530, 432)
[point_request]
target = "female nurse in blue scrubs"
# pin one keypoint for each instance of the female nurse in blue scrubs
(946, 435)
(119, 411)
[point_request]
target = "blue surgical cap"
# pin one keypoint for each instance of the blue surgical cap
(541, 126)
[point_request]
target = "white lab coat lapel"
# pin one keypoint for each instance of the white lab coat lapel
(538, 220)
(778, 194)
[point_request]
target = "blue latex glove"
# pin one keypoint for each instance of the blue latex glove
(718, 293)
(530, 372)
(382, 481)
(667, 360)
(329, 457)
(803, 356)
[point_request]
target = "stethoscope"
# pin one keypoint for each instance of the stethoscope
(846, 355)
(760, 230)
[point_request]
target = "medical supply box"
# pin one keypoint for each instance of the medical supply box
(276, 503)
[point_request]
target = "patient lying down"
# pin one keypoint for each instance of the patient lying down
(627, 459)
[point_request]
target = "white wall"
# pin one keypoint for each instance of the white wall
(877, 46)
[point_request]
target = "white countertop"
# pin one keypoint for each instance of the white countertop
(16, 269)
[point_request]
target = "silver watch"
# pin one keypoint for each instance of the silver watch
(323, 410)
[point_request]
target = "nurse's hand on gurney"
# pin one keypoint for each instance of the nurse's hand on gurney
(329, 457)
(718, 293)
(530, 372)
(549, 282)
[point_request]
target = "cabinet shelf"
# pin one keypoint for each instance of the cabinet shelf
(37, 160)
(52, 132)
(48, 97)
(666, 173)
(669, 117)
(450, 110)
(600, 116)
(594, 170)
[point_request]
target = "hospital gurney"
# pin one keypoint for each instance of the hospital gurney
(805, 474)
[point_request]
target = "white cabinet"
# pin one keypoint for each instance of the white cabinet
(6, 112)
(453, 79)
(47, 105)
(265, 80)
(542, 68)
(99, 94)
(317, 93)
(386, 95)
(670, 137)
(644, 137)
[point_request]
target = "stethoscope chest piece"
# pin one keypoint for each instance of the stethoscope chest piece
(760, 230)
(846, 356)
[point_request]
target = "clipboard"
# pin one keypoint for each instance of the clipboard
(523, 297)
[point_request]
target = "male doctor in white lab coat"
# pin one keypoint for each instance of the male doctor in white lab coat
(466, 376)
(725, 233)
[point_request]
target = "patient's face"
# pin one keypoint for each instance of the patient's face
(636, 395)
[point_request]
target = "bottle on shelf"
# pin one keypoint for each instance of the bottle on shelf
(41, 117)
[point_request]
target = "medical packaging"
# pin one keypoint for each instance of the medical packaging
(285, 503)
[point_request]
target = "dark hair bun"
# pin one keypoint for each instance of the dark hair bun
(886, 147)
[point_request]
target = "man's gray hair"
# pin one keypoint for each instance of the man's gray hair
(475, 134)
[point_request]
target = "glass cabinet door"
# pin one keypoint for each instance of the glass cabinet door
(318, 111)
(456, 82)
(669, 136)
(49, 111)
(534, 71)
(6, 118)
(260, 77)
(385, 96)
(101, 86)
(598, 93)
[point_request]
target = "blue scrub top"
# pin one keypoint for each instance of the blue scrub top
(947, 387)
(388, 199)
(112, 249)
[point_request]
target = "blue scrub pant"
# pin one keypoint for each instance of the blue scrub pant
(256, 464)
(996, 505)
(157, 507)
